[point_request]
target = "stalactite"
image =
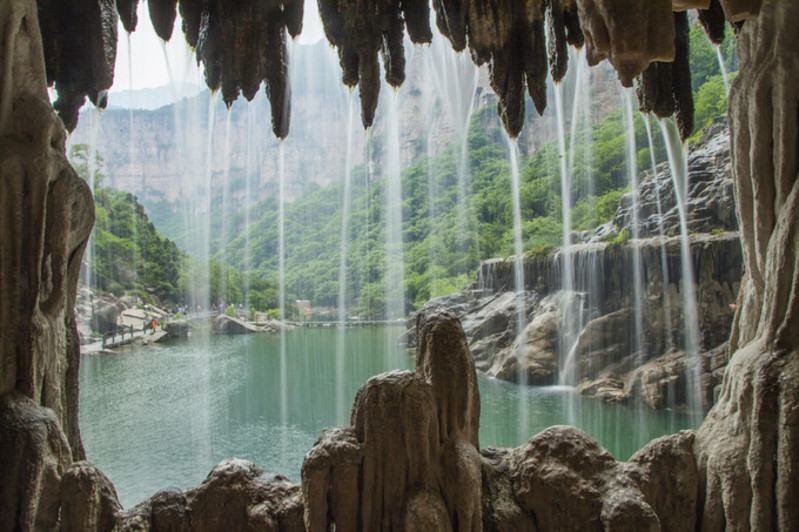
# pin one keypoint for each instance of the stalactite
(362, 30)
(556, 40)
(242, 44)
(535, 67)
(713, 21)
(191, 13)
(737, 10)
(574, 34)
(664, 88)
(163, 14)
(647, 88)
(80, 41)
(681, 77)
(127, 14)
(511, 39)
(630, 34)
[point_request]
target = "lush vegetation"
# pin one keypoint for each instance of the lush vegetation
(448, 228)
(126, 253)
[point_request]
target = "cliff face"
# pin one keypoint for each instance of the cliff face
(606, 352)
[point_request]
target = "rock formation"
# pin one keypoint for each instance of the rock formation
(410, 456)
(47, 215)
(747, 448)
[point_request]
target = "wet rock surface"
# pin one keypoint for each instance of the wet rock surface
(605, 358)
(711, 203)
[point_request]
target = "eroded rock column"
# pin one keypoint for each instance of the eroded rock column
(410, 457)
(46, 215)
(748, 447)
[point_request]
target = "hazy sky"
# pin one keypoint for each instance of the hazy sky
(149, 65)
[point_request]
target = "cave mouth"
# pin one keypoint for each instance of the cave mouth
(349, 476)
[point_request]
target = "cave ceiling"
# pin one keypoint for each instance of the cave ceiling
(242, 45)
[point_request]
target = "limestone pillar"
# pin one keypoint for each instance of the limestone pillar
(46, 215)
(748, 447)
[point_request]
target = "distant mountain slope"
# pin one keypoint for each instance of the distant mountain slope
(152, 98)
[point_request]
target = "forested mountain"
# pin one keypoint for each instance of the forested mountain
(126, 253)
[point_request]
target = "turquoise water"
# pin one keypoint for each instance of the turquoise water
(163, 416)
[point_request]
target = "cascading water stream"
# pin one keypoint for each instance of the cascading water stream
(664, 261)
(518, 276)
(248, 168)
(678, 162)
(91, 165)
(131, 145)
(428, 112)
(567, 274)
(281, 282)
(456, 78)
(341, 399)
(394, 283)
(464, 178)
(568, 331)
(205, 208)
(723, 69)
(518, 252)
(225, 211)
(632, 170)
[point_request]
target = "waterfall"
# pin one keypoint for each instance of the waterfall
(518, 276)
(567, 274)
(206, 204)
(455, 80)
(341, 400)
(632, 169)
(518, 252)
(91, 165)
(570, 324)
(464, 206)
(394, 281)
(281, 282)
(131, 129)
(678, 162)
(723, 69)
(664, 262)
(248, 168)
(429, 101)
(226, 213)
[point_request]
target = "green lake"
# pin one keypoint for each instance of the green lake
(164, 415)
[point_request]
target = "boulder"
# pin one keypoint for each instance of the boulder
(236, 495)
(89, 500)
(178, 329)
(34, 454)
(533, 357)
(105, 316)
(224, 324)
